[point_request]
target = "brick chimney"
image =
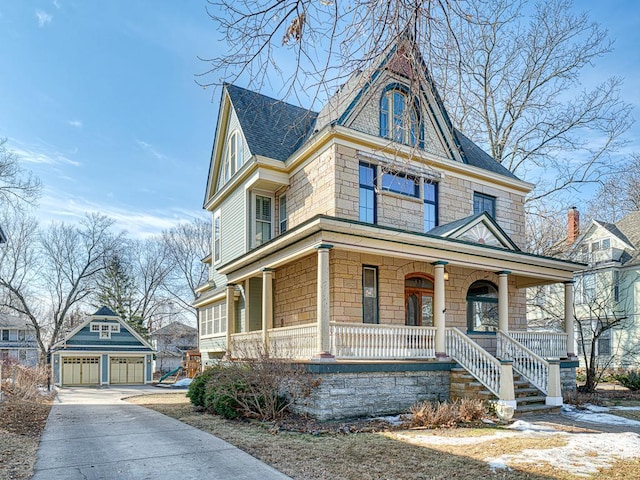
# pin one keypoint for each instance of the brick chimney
(573, 225)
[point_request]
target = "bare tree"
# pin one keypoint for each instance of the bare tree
(16, 184)
(509, 74)
(44, 274)
(619, 194)
(187, 245)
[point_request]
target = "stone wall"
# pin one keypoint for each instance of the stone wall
(568, 378)
(344, 395)
(312, 189)
(295, 292)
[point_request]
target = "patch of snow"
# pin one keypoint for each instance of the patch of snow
(523, 426)
(395, 420)
(584, 454)
(185, 382)
(592, 414)
(629, 409)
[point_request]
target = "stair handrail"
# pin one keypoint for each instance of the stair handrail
(483, 366)
(531, 366)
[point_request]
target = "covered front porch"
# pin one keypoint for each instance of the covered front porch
(332, 296)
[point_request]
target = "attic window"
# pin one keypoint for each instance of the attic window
(399, 119)
(232, 159)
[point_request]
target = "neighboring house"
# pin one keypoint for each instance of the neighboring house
(170, 343)
(608, 292)
(18, 341)
(373, 241)
(102, 350)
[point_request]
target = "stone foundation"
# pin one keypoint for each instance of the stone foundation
(568, 375)
(358, 390)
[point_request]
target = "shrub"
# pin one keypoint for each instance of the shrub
(629, 379)
(262, 388)
(198, 387)
(445, 414)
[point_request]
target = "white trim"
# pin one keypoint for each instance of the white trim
(217, 252)
(254, 220)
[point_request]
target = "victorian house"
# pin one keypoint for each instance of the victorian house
(375, 243)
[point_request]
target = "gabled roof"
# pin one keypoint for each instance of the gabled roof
(272, 128)
(480, 228)
(12, 321)
(175, 328)
(104, 312)
(474, 155)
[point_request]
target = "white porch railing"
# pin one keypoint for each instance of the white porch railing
(296, 342)
(247, 344)
(544, 344)
(530, 365)
(382, 342)
(473, 358)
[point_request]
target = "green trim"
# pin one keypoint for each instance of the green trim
(440, 262)
(382, 367)
(569, 363)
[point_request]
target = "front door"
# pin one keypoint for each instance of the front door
(419, 307)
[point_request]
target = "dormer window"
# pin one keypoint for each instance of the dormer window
(232, 159)
(399, 119)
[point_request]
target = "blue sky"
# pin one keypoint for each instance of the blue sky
(99, 99)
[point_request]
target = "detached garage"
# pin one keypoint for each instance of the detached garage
(103, 350)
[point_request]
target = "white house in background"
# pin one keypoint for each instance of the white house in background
(18, 341)
(171, 342)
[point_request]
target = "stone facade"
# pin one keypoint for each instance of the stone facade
(344, 395)
(568, 378)
(295, 293)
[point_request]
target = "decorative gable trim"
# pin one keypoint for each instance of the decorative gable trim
(480, 229)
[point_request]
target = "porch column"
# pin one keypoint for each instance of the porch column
(231, 315)
(569, 315)
(439, 308)
(267, 306)
(503, 301)
(323, 303)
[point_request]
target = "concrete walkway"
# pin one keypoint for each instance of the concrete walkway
(92, 434)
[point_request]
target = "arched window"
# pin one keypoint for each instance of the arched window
(418, 294)
(232, 158)
(482, 307)
(399, 118)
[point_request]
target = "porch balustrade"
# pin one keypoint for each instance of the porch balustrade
(473, 358)
(544, 344)
(382, 342)
(531, 366)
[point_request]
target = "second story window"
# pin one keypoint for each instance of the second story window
(216, 236)
(400, 183)
(399, 119)
(262, 219)
(484, 203)
(5, 335)
(430, 206)
(367, 193)
(282, 213)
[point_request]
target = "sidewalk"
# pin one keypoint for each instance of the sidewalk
(92, 434)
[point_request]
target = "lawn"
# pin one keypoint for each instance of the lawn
(565, 452)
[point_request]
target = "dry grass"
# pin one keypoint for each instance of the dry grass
(377, 456)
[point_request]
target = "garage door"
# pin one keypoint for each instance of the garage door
(127, 370)
(80, 370)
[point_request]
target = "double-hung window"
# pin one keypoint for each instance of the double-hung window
(430, 205)
(262, 219)
(484, 203)
(232, 158)
(367, 174)
(216, 237)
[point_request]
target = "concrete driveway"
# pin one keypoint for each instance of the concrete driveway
(93, 434)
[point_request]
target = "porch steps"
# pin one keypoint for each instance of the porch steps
(528, 398)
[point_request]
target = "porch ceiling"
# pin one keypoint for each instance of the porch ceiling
(528, 269)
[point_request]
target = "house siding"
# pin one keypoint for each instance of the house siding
(233, 215)
(295, 287)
